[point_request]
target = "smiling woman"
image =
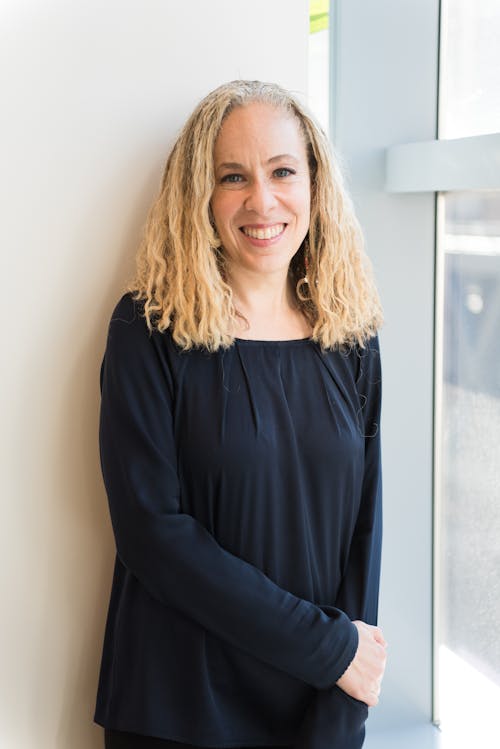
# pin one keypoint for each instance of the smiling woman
(240, 447)
(182, 264)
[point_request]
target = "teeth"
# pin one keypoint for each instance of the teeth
(268, 233)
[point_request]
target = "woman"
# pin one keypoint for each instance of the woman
(240, 447)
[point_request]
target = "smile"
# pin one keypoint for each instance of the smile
(267, 232)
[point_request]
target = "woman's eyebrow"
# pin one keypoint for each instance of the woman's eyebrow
(279, 157)
(230, 165)
(284, 157)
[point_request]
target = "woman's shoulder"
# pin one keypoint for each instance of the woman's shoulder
(128, 310)
(368, 368)
(361, 355)
(136, 345)
(362, 359)
(128, 330)
(129, 313)
(368, 354)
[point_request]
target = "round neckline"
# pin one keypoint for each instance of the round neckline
(273, 342)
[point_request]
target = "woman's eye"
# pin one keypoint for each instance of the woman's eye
(283, 172)
(232, 178)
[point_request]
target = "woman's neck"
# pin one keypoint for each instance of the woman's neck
(268, 309)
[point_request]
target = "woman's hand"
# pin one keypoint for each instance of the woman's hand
(364, 675)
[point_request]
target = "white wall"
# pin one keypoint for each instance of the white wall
(92, 93)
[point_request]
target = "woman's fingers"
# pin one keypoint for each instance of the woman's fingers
(364, 675)
(377, 633)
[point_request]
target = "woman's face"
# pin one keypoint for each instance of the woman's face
(262, 197)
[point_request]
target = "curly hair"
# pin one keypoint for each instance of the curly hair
(180, 262)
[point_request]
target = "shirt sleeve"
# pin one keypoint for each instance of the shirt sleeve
(359, 590)
(170, 552)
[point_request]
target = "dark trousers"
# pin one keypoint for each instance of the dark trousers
(126, 740)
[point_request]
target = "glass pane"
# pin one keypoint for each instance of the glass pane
(469, 68)
(468, 467)
(319, 61)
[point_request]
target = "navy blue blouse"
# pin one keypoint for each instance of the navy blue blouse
(244, 489)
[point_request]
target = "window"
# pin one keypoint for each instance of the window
(468, 490)
(470, 94)
(467, 534)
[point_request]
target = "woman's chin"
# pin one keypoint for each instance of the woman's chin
(269, 263)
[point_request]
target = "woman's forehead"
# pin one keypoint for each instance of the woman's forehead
(259, 127)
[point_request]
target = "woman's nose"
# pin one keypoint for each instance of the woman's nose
(260, 198)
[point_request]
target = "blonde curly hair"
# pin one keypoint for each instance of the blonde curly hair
(180, 263)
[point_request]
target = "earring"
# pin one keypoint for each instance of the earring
(304, 281)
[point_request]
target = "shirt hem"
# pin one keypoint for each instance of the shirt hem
(216, 743)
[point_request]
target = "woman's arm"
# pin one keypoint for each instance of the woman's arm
(359, 591)
(333, 718)
(172, 554)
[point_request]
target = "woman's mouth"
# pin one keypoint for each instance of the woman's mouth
(263, 232)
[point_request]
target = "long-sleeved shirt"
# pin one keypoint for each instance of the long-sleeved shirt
(244, 488)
